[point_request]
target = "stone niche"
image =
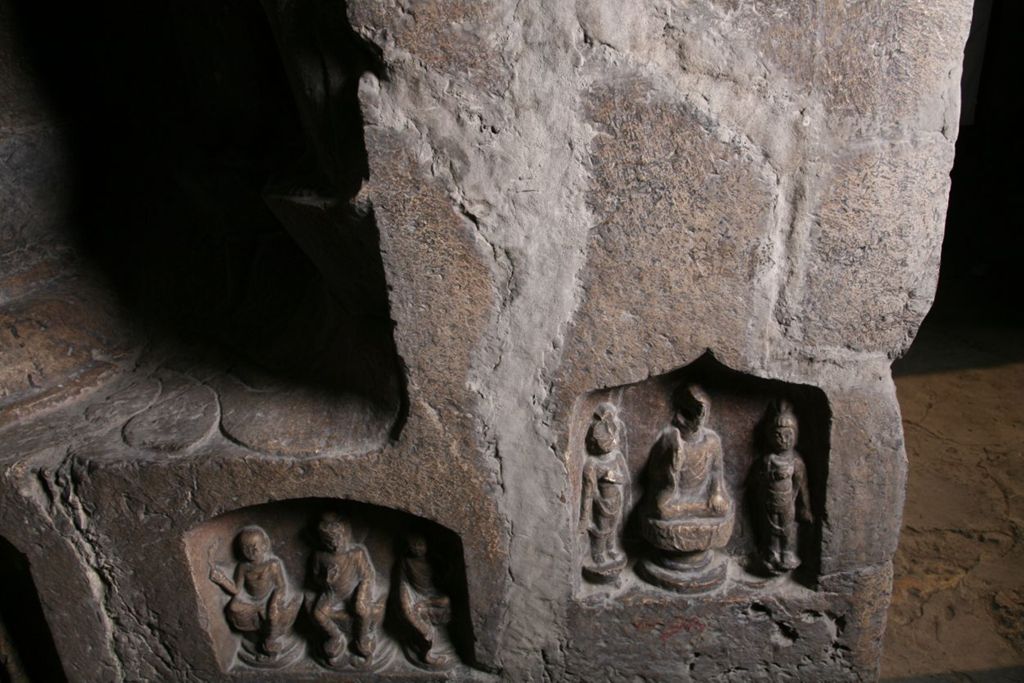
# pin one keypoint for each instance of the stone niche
(737, 604)
(360, 585)
(463, 261)
(740, 408)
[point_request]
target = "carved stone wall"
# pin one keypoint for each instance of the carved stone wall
(592, 303)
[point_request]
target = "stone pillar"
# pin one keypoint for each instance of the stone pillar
(609, 396)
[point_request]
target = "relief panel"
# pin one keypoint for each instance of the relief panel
(331, 586)
(699, 478)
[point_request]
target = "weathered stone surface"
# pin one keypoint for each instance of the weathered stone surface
(58, 343)
(180, 418)
(795, 631)
(682, 215)
(867, 476)
(305, 421)
(847, 264)
(508, 213)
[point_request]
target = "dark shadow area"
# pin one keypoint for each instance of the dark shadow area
(978, 319)
(218, 211)
(27, 652)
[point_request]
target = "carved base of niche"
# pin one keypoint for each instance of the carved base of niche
(659, 635)
(686, 573)
(383, 658)
(607, 572)
(441, 658)
(286, 653)
(317, 586)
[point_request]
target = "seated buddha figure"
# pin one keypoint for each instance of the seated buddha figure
(685, 472)
(688, 511)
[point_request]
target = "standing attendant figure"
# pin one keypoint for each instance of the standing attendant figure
(784, 494)
(605, 483)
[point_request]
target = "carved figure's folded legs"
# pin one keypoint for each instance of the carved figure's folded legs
(429, 614)
(243, 615)
(330, 616)
(275, 627)
(365, 626)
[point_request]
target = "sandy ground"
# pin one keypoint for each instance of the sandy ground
(958, 600)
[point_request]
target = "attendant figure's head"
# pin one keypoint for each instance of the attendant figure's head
(603, 435)
(782, 428)
(416, 545)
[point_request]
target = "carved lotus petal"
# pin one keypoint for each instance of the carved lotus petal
(175, 423)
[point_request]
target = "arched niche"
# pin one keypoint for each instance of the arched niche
(740, 406)
(27, 651)
(294, 530)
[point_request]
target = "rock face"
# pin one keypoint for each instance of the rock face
(401, 305)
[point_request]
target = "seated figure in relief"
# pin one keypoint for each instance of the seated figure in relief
(344, 606)
(688, 515)
(262, 607)
(425, 606)
(686, 469)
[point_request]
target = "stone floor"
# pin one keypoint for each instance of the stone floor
(958, 602)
